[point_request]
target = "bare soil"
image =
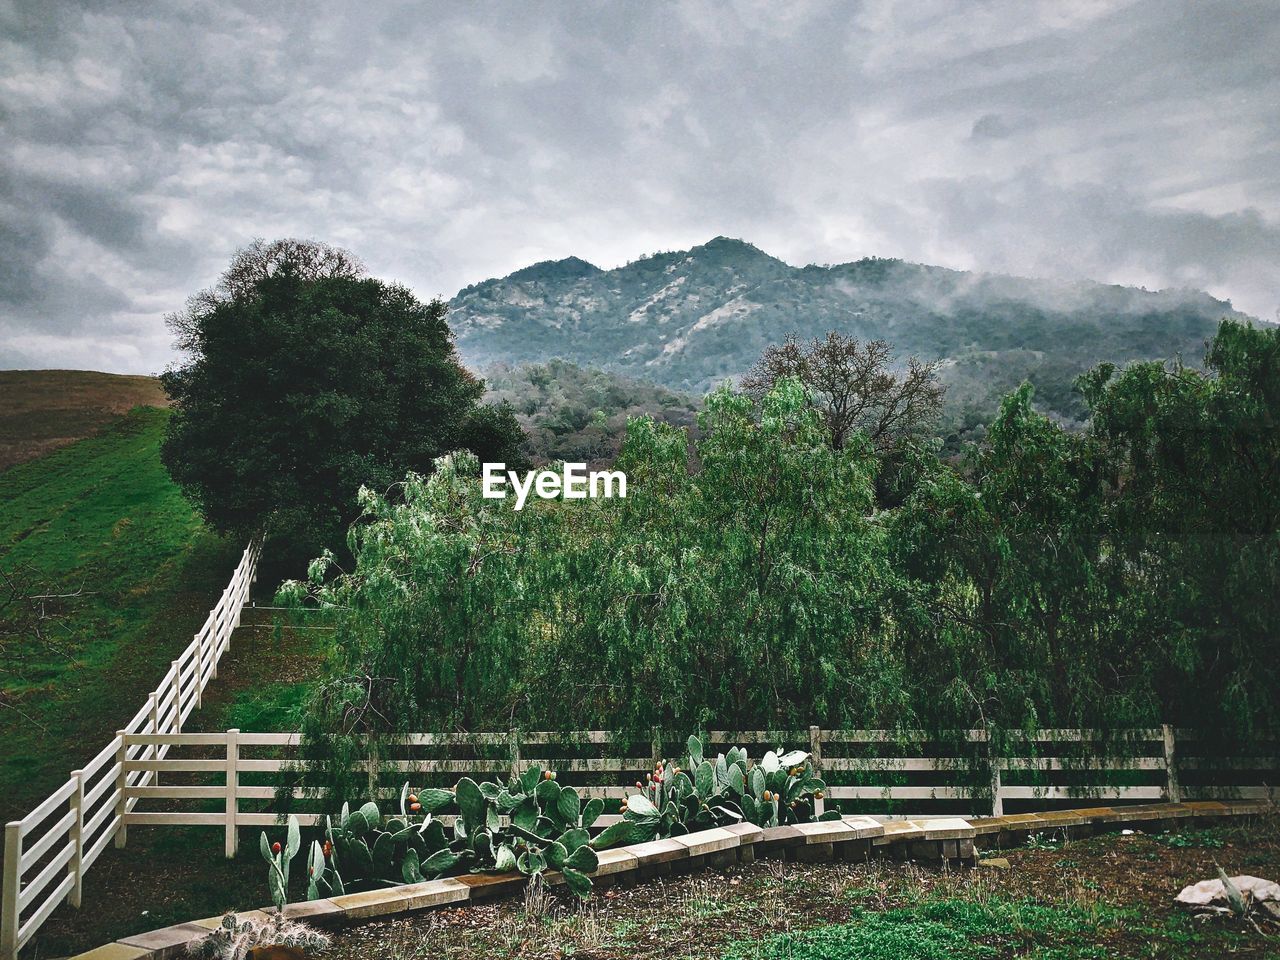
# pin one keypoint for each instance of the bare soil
(699, 916)
(1126, 882)
(42, 410)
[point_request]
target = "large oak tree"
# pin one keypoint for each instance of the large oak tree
(304, 380)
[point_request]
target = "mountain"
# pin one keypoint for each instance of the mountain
(688, 319)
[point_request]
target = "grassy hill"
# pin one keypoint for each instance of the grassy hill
(41, 410)
(98, 519)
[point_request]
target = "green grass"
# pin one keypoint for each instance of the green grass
(958, 929)
(1192, 838)
(268, 708)
(102, 519)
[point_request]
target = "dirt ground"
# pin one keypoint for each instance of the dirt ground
(42, 410)
(1108, 896)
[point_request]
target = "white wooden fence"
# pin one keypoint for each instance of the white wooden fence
(48, 852)
(231, 777)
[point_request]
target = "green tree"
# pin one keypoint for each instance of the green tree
(738, 587)
(1197, 520)
(303, 381)
(1013, 606)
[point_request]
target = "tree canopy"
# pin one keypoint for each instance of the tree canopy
(1124, 576)
(855, 386)
(304, 380)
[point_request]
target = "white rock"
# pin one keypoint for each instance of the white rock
(1211, 893)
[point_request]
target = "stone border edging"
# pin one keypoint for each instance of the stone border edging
(930, 839)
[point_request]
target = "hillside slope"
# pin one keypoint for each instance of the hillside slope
(100, 522)
(41, 410)
(580, 415)
(691, 318)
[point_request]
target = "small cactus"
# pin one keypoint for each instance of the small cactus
(236, 939)
(278, 858)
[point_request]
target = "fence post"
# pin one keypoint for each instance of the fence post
(815, 751)
(199, 669)
(515, 753)
(9, 915)
(177, 697)
(233, 783)
(153, 752)
(122, 802)
(1173, 792)
(74, 868)
(994, 761)
(235, 597)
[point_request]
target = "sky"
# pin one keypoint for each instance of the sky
(142, 143)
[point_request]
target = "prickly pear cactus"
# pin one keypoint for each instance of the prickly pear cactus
(278, 858)
(531, 824)
(781, 789)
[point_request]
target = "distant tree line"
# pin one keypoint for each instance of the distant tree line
(575, 414)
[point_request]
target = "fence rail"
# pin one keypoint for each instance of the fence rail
(48, 852)
(227, 777)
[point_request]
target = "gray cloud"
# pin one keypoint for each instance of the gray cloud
(141, 143)
(991, 125)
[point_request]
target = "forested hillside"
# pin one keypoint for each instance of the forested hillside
(579, 415)
(688, 319)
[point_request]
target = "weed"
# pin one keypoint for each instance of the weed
(955, 929)
(1189, 838)
(1044, 841)
(703, 898)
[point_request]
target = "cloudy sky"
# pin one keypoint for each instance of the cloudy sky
(142, 143)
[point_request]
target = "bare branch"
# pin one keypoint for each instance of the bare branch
(855, 385)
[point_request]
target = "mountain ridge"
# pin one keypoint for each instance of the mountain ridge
(688, 319)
